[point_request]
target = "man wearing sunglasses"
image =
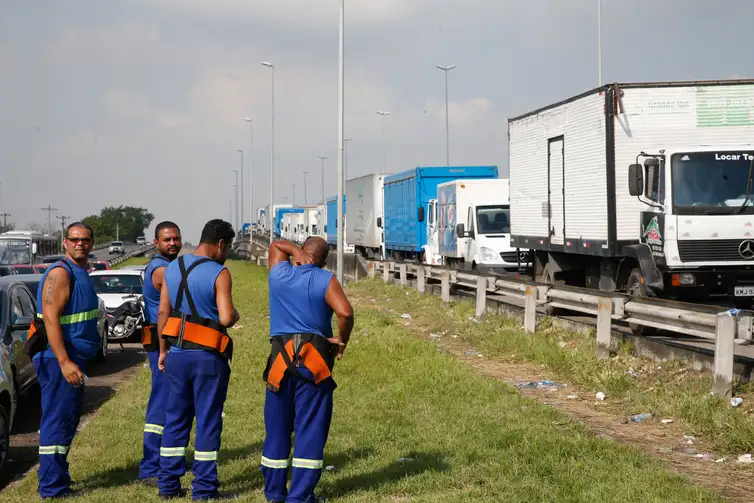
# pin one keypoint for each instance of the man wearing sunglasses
(67, 310)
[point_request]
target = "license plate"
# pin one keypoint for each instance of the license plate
(744, 291)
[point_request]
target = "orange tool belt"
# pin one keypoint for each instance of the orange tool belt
(149, 338)
(191, 331)
(290, 352)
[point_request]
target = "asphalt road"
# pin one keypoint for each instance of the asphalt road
(103, 254)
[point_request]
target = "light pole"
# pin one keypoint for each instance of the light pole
(599, 40)
(345, 157)
(384, 142)
(305, 199)
(323, 157)
(242, 170)
(235, 191)
(272, 149)
(341, 120)
(446, 69)
(293, 186)
(252, 211)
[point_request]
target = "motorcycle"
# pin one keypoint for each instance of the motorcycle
(124, 320)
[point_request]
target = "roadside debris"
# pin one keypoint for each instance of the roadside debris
(600, 396)
(639, 418)
(735, 402)
(545, 385)
(745, 458)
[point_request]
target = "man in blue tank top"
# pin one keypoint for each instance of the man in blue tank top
(167, 240)
(303, 298)
(68, 307)
(196, 308)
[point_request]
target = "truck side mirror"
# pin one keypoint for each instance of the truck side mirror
(635, 180)
(420, 214)
(379, 222)
(460, 231)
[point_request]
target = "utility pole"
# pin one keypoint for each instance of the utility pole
(5, 219)
(322, 158)
(293, 185)
(62, 225)
(446, 69)
(242, 169)
(49, 211)
(305, 198)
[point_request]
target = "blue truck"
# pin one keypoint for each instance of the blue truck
(406, 197)
(279, 212)
(331, 228)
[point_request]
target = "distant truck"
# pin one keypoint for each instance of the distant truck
(406, 201)
(468, 227)
(331, 229)
(280, 215)
(364, 211)
(644, 188)
(270, 217)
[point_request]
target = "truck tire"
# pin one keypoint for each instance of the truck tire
(548, 276)
(635, 287)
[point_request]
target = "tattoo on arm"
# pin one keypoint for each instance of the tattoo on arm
(49, 291)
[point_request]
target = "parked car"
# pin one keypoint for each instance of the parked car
(141, 240)
(51, 259)
(117, 287)
(99, 265)
(117, 247)
(7, 406)
(17, 309)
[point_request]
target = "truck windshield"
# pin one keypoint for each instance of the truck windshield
(14, 252)
(711, 182)
(493, 220)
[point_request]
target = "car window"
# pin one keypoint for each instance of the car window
(16, 306)
(117, 283)
(27, 304)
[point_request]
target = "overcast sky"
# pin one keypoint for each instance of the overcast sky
(141, 102)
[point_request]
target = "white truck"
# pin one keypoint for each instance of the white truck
(469, 227)
(644, 188)
(365, 214)
(311, 222)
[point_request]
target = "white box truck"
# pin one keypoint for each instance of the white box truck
(364, 215)
(469, 227)
(643, 187)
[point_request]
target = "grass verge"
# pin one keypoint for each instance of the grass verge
(410, 424)
(133, 261)
(633, 385)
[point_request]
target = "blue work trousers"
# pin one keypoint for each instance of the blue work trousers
(61, 412)
(155, 421)
(198, 387)
(304, 408)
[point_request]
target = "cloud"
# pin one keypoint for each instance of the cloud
(111, 41)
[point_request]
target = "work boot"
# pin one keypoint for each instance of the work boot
(220, 497)
(180, 494)
(68, 494)
(151, 482)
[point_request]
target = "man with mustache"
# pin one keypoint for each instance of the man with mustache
(196, 309)
(167, 239)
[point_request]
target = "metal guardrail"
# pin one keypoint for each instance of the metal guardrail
(726, 327)
(137, 252)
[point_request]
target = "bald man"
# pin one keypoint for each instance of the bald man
(303, 298)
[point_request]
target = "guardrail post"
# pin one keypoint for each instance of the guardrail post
(420, 279)
(404, 275)
(385, 272)
(481, 296)
(530, 309)
(259, 260)
(725, 335)
(604, 326)
(445, 275)
(370, 270)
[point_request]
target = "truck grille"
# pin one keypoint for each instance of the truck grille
(513, 257)
(705, 250)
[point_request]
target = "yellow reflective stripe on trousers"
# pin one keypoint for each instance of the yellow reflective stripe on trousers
(53, 449)
(205, 455)
(153, 428)
(312, 464)
(79, 317)
(274, 463)
(172, 452)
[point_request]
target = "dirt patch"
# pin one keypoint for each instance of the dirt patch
(104, 380)
(665, 441)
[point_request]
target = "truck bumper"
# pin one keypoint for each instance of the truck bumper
(725, 286)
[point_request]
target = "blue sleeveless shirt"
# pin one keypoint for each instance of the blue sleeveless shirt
(201, 284)
(297, 300)
(79, 318)
(150, 293)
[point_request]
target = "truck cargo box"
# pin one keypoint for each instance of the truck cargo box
(332, 213)
(365, 196)
(406, 196)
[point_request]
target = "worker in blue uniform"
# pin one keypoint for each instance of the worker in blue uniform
(299, 395)
(196, 308)
(63, 339)
(167, 240)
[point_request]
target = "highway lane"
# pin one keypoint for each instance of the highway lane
(104, 254)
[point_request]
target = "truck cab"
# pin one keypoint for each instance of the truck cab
(431, 249)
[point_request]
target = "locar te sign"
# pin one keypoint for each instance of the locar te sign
(651, 233)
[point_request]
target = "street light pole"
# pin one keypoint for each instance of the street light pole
(384, 142)
(272, 152)
(305, 198)
(599, 40)
(341, 117)
(239, 230)
(293, 185)
(446, 69)
(235, 190)
(345, 157)
(323, 177)
(252, 211)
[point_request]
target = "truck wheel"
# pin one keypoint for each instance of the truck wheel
(548, 276)
(635, 287)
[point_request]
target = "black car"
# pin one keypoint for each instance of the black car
(17, 308)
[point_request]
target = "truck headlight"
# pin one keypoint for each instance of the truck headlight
(487, 254)
(683, 279)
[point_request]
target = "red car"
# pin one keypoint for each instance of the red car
(98, 265)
